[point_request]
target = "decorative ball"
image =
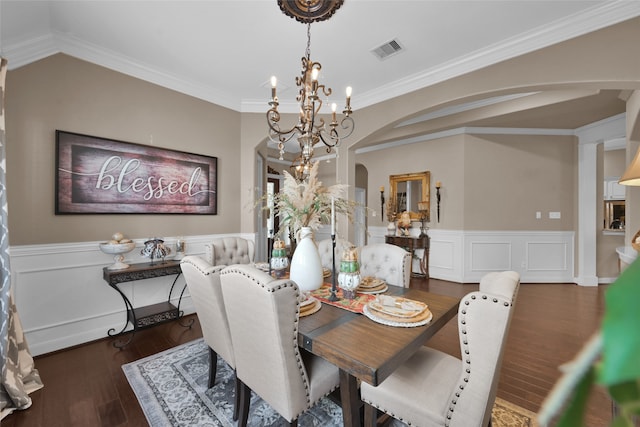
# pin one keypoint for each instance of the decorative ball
(117, 236)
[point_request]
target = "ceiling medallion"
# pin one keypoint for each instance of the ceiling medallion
(314, 11)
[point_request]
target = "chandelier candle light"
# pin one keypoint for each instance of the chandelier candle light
(311, 128)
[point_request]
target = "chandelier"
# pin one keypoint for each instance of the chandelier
(310, 128)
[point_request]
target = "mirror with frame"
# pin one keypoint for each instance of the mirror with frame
(409, 189)
(614, 215)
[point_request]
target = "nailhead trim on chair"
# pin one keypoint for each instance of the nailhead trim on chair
(462, 320)
(285, 284)
(197, 267)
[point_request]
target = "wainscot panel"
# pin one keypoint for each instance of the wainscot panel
(465, 256)
(63, 301)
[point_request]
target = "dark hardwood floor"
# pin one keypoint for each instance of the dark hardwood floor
(85, 385)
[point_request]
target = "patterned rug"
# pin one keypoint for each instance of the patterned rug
(171, 388)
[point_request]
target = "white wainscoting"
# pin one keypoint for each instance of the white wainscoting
(466, 256)
(62, 299)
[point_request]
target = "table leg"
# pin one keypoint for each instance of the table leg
(424, 263)
(350, 399)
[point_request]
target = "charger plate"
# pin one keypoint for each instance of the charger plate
(371, 282)
(311, 308)
(388, 320)
(373, 291)
(308, 300)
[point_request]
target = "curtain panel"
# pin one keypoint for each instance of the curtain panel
(18, 373)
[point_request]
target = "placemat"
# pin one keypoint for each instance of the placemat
(355, 305)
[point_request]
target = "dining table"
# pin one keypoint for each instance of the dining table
(365, 350)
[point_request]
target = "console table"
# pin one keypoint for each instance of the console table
(143, 317)
(411, 244)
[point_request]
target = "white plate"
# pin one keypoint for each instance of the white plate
(379, 291)
(398, 306)
(377, 319)
(264, 266)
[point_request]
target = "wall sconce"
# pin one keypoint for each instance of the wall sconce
(438, 185)
(382, 203)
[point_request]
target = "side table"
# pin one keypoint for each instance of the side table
(146, 316)
(411, 244)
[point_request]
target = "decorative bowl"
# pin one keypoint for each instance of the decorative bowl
(117, 249)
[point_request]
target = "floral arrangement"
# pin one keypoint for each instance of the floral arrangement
(308, 203)
(391, 210)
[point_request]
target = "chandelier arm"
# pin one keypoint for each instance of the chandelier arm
(348, 125)
(326, 91)
(273, 119)
(280, 138)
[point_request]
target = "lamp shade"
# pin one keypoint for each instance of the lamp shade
(632, 175)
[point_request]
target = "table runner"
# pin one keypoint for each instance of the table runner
(356, 305)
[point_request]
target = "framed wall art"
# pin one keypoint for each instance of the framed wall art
(103, 176)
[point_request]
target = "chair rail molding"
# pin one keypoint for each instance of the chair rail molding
(64, 301)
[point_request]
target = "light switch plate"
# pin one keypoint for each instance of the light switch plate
(554, 215)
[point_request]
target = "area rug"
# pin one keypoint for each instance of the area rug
(171, 388)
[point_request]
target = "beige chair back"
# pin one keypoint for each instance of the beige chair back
(484, 318)
(387, 262)
(229, 251)
(203, 282)
(263, 317)
(326, 257)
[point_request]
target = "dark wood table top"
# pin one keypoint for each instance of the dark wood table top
(365, 349)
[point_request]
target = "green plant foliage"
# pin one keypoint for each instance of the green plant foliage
(574, 413)
(614, 363)
(621, 330)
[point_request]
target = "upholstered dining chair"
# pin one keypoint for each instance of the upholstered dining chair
(387, 262)
(203, 282)
(229, 251)
(435, 389)
(326, 256)
(263, 317)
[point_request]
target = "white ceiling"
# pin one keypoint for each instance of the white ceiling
(224, 51)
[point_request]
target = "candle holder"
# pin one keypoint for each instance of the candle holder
(423, 209)
(333, 296)
(438, 185)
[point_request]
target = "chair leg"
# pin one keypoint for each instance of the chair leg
(213, 366)
(245, 399)
(370, 416)
(294, 423)
(237, 403)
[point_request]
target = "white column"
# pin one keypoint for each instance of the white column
(588, 139)
(587, 202)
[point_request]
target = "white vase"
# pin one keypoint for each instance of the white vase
(306, 267)
(391, 228)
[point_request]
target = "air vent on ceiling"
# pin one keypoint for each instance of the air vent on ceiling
(388, 49)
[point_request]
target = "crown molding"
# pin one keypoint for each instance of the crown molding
(467, 130)
(39, 47)
(585, 22)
